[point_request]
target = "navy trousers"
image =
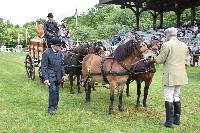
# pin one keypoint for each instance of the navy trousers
(53, 95)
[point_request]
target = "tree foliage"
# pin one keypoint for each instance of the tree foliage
(99, 22)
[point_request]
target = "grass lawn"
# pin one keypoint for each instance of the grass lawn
(23, 105)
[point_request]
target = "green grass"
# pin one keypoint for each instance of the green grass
(23, 105)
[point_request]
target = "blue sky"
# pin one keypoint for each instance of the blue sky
(21, 11)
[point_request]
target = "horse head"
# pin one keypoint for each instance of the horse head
(149, 56)
(155, 47)
(82, 49)
(140, 45)
(97, 48)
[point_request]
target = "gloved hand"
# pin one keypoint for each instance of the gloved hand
(150, 57)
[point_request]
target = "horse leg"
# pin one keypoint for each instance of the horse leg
(92, 86)
(193, 61)
(138, 93)
(71, 84)
(146, 88)
(112, 90)
(88, 91)
(127, 87)
(78, 83)
(120, 106)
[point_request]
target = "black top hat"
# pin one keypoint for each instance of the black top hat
(50, 15)
(56, 41)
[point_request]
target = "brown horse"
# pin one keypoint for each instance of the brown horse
(143, 71)
(113, 70)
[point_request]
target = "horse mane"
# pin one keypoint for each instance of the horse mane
(124, 51)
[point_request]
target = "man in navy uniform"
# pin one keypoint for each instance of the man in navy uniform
(53, 72)
(50, 29)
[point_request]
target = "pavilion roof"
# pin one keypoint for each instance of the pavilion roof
(156, 5)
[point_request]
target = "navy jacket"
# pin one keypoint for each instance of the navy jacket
(52, 65)
(50, 29)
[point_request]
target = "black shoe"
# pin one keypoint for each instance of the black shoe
(52, 112)
(169, 114)
(177, 112)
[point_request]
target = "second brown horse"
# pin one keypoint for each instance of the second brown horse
(143, 71)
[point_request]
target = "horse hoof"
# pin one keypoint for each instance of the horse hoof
(145, 105)
(71, 92)
(87, 100)
(111, 112)
(121, 109)
(137, 105)
(79, 92)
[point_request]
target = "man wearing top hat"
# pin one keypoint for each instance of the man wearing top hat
(50, 29)
(53, 72)
(174, 55)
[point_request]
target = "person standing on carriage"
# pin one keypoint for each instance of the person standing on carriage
(174, 54)
(50, 29)
(52, 67)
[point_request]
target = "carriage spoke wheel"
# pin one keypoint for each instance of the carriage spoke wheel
(40, 74)
(30, 67)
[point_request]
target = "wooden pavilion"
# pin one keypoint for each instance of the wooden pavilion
(157, 8)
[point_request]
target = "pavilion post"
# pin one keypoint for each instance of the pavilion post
(137, 13)
(178, 17)
(161, 19)
(193, 15)
(154, 15)
(137, 18)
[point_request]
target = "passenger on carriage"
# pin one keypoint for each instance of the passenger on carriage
(65, 35)
(50, 29)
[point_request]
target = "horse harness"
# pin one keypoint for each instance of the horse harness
(135, 70)
(110, 73)
(104, 74)
(75, 56)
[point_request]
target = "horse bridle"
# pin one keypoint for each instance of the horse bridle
(137, 47)
(74, 55)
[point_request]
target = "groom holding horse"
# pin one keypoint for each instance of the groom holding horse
(174, 54)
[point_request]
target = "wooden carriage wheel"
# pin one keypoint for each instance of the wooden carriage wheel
(30, 67)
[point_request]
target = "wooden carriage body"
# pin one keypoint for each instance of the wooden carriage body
(33, 58)
(36, 49)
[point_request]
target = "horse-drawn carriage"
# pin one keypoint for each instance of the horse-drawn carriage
(33, 57)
